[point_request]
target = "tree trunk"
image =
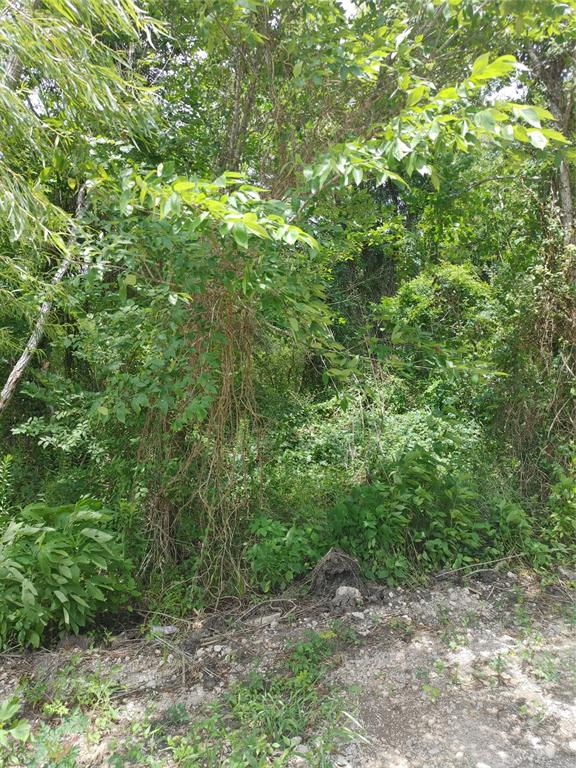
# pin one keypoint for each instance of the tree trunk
(552, 73)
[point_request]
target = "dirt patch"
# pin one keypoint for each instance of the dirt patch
(477, 675)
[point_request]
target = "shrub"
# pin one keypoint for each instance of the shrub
(450, 301)
(421, 515)
(282, 552)
(59, 567)
(561, 520)
(455, 442)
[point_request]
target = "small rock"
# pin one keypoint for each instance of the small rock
(341, 762)
(263, 621)
(357, 615)
(347, 597)
(572, 745)
(168, 629)
(511, 576)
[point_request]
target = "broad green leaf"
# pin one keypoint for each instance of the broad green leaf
(357, 175)
(416, 95)
(20, 731)
(240, 235)
(537, 139)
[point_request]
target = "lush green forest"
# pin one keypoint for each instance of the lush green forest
(278, 276)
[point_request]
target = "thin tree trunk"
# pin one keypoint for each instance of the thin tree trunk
(566, 203)
(561, 106)
(38, 333)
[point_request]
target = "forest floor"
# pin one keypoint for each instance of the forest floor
(475, 674)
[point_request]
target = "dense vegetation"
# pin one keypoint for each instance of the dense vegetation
(277, 277)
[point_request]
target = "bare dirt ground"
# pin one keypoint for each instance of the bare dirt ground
(479, 674)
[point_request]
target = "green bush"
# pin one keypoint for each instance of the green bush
(455, 442)
(561, 518)
(425, 516)
(282, 552)
(450, 301)
(59, 567)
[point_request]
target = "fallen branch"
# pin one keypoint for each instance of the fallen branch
(446, 574)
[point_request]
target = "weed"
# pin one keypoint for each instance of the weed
(544, 666)
(262, 720)
(421, 673)
(533, 710)
(12, 729)
(176, 715)
(432, 692)
(403, 627)
(498, 664)
(471, 619)
(73, 693)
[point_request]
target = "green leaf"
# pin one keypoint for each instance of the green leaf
(530, 115)
(555, 135)
(8, 708)
(415, 95)
(240, 235)
(184, 186)
(80, 600)
(484, 70)
(480, 63)
(537, 139)
(400, 149)
(20, 731)
(357, 174)
(121, 411)
(93, 533)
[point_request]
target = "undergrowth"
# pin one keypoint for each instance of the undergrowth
(260, 722)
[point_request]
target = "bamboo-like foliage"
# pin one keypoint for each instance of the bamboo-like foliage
(66, 77)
